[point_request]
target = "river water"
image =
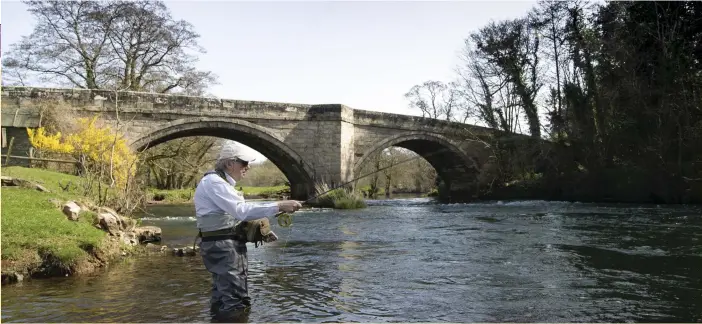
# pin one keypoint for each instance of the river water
(411, 260)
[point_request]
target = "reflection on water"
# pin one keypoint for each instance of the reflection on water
(413, 260)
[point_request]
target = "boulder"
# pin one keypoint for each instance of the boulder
(10, 181)
(16, 182)
(107, 210)
(148, 234)
(125, 223)
(71, 210)
(109, 223)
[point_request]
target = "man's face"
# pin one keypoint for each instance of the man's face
(237, 169)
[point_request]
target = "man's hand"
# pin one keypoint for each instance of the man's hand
(289, 206)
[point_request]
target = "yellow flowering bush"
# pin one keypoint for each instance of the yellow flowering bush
(51, 143)
(97, 148)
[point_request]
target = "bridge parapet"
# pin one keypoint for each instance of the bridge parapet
(28, 99)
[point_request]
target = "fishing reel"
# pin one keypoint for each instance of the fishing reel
(284, 219)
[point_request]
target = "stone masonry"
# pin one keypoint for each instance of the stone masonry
(309, 143)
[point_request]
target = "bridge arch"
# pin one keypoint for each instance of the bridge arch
(456, 168)
(298, 172)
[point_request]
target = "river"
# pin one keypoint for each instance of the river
(412, 260)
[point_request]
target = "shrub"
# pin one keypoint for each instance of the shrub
(339, 198)
(106, 163)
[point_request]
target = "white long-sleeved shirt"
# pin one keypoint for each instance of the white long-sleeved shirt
(218, 205)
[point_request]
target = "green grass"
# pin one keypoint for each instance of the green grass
(171, 196)
(53, 181)
(186, 195)
(33, 229)
(49, 179)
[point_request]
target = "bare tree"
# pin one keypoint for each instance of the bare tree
(132, 45)
(435, 99)
(549, 18)
(152, 50)
(68, 46)
(176, 164)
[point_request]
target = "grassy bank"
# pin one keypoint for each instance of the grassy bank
(177, 196)
(51, 180)
(38, 239)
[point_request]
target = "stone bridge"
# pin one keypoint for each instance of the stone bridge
(309, 143)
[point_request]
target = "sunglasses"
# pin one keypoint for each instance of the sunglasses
(244, 163)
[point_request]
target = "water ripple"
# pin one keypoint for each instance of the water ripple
(413, 260)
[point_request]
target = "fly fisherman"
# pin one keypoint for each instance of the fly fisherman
(218, 207)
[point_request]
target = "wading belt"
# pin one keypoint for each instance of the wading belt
(223, 234)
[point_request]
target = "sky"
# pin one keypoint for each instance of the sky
(363, 54)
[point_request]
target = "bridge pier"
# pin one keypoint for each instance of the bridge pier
(301, 191)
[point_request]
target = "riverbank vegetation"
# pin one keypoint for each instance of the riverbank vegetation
(615, 87)
(339, 198)
(38, 239)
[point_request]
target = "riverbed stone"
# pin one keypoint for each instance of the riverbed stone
(185, 251)
(189, 251)
(11, 277)
(71, 210)
(155, 247)
(147, 234)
